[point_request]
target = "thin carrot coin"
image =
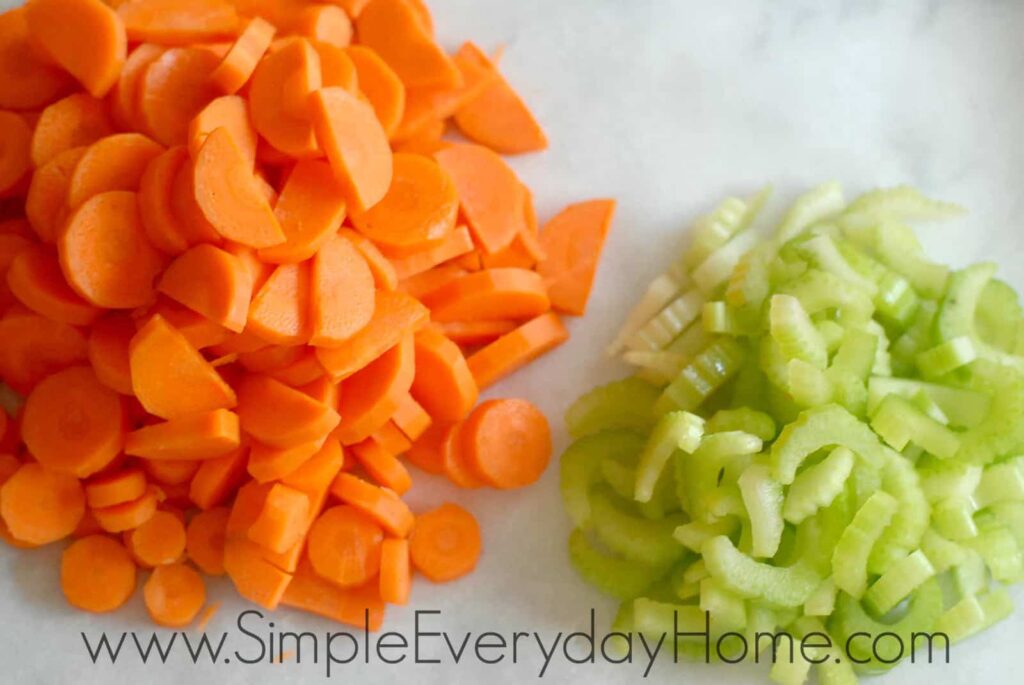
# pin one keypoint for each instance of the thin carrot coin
(296, 66)
(242, 57)
(454, 461)
(174, 594)
(231, 112)
(124, 105)
(445, 544)
(170, 472)
(159, 221)
(35, 278)
(383, 271)
(507, 442)
(310, 210)
(344, 546)
(158, 541)
(396, 31)
(381, 86)
(47, 192)
(78, 120)
(39, 505)
(97, 574)
(174, 88)
(118, 518)
(457, 243)
(33, 347)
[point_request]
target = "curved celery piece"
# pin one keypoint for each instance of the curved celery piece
(742, 419)
(786, 587)
(720, 318)
(662, 290)
(916, 337)
(883, 359)
(957, 312)
(695, 533)
(856, 354)
(808, 385)
(964, 408)
(998, 305)
(909, 522)
(726, 609)
(946, 479)
(954, 518)
(580, 468)
(714, 230)
(973, 614)
(931, 409)
(1002, 429)
(817, 536)
(749, 283)
(824, 254)
(697, 474)
(714, 271)
(793, 671)
(690, 342)
(656, 368)
(944, 554)
(1002, 482)
(813, 206)
(819, 291)
(899, 422)
(676, 430)
(796, 334)
(762, 499)
(946, 357)
(774, 363)
(894, 298)
(897, 247)
(619, 476)
(668, 323)
(662, 618)
(613, 576)
(627, 403)
(823, 600)
(831, 332)
(817, 485)
(897, 203)
(998, 547)
(634, 538)
(850, 556)
(820, 427)
(902, 578)
(707, 372)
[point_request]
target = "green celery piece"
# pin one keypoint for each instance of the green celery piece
(627, 403)
(676, 430)
(580, 468)
(808, 385)
(749, 283)
(786, 587)
(819, 291)
(902, 578)
(697, 474)
(713, 272)
(668, 323)
(1002, 482)
(856, 354)
(850, 557)
(813, 206)
(998, 547)
(762, 499)
(742, 419)
(695, 533)
(899, 422)
(656, 368)
(897, 247)
(942, 553)
(900, 203)
(705, 374)
(816, 486)
(944, 479)
(970, 576)
(633, 537)
(611, 575)
(795, 333)
(655, 618)
(726, 609)
(974, 613)
(998, 305)
(822, 427)
(712, 231)
(957, 313)
(964, 408)
(954, 518)
(823, 601)
(946, 357)
(911, 519)
(662, 290)
(1001, 431)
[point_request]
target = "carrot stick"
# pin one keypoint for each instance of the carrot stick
(475, 332)
(383, 271)
(295, 66)
(159, 221)
(456, 243)
(395, 30)
(231, 112)
(212, 282)
(174, 88)
(97, 574)
(15, 144)
(32, 348)
(268, 463)
(507, 442)
(204, 540)
(371, 395)
(515, 349)
(217, 478)
(124, 104)
(352, 606)
(342, 298)
(443, 383)
(27, 79)
(379, 503)
(489, 294)
(158, 541)
(410, 417)
(242, 57)
(381, 86)
(47, 192)
(40, 505)
(445, 544)
(280, 416)
(283, 520)
(174, 594)
(279, 312)
(422, 284)
(115, 162)
(344, 546)
(35, 278)
(109, 339)
(395, 571)
(382, 466)
(205, 435)
(118, 518)
(310, 209)
(572, 242)
(171, 22)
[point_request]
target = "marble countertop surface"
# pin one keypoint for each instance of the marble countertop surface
(666, 105)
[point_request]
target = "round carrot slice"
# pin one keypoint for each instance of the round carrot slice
(158, 541)
(211, 282)
(294, 68)
(162, 226)
(443, 383)
(26, 80)
(112, 163)
(36, 280)
(174, 594)
(397, 31)
(174, 88)
(427, 452)
(45, 204)
(445, 544)
(336, 67)
(381, 86)
(75, 121)
(344, 546)
(124, 104)
(127, 515)
(326, 23)
(97, 574)
(40, 506)
(116, 487)
(204, 540)
(15, 141)
(507, 442)
(231, 112)
(72, 423)
(242, 57)
(33, 347)
(171, 471)
(109, 340)
(453, 460)
(310, 209)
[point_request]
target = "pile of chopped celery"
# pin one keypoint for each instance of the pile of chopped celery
(821, 434)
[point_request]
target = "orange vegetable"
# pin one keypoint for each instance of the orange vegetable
(115, 162)
(199, 331)
(97, 574)
(411, 418)
(475, 332)
(204, 435)
(342, 298)
(303, 371)
(395, 571)
(211, 282)
(371, 395)
(27, 79)
(39, 505)
(427, 453)
(174, 594)
(32, 348)
(280, 416)
(268, 463)
(204, 540)
(295, 68)
(35, 278)
(572, 242)
(242, 57)
(108, 343)
(118, 518)
(513, 350)
(357, 606)
(324, 23)
(47, 193)
(443, 383)
(382, 466)
(282, 521)
(455, 244)
(126, 94)
(445, 543)
(172, 22)
(279, 312)
(158, 541)
(185, 207)
(344, 546)
(270, 358)
(381, 504)
(381, 86)
(383, 271)
(160, 222)
(115, 487)
(15, 142)
(217, 478)
(171, 472)
(391, 438)
(396, 31)
(454, 463)
(232, 113)
(489, 294)
(428, 281)
(507, 442)
(255, 578)
(174, 88)
(310, 210)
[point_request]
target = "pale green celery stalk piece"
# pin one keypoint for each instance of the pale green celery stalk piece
(816, 205)
(659, 293)
(831, 332)
(635, 538)
(974, 613)
(902, 578)
(658, 367)
(580, 468)
(613, 576)
(724, 501)
(676, 430)
(931, 409)
(1001, 431)
(762, 499)
(627, 403)
(1002, 482)
(941, 480)
(742, 419)
(964, 408)
(954, 518)
(719, 318)
(792, 672)
(727, 610)
(707, 372)
(1011, 515)
(690, 342)
(662, 618)
(899, 203)
(970, 576)
(856, 354)
(819, 291)
(773, 363)
(731, 216)
(750, 283)
(883, 359)
(668, 323)
(808, 385)
(619, 476)
(956, 314)
(821, 427)
(946, 357)
(697, 473)
(816, 486)
(714, 271)
(787, 587)
(904, 533)
(897, 247)
(850, 556)
(944, 554)
(997, 307)
(695, 533)
(898, 422)
(823, 600)
(848, 391)
(695, 572)
(796, 334)
(998, 547)
(823, 253)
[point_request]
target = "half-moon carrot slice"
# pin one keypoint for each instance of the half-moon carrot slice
(310, 210)
(411, 418)
(324, 22)
(507, 442)
(109, 339)
(171, 472)
(443, 383)
(454, 462)
(85, 37)
(115, 162)
(336, 68)
(572, 242)
(212, 282)
(47, 193)
(283, 519)
(32, 347)
(124, 102)
(162, 226)
(242, 57)
(279, 312)
(280, 416)
(199, 331)
(204, 540)
(445, 543)
(194, 386)
(498, 118)
(294, 68)
(171, 22)
(382, 466)
(268, 463)
(271, 357)
(427, 453)
(205, 435)
(381, 504)
(194, 225)
(36, 280)
(74, 121)
(342, 297)
(27, 80)
(371, 395)
(472, 333)
(217, 478)
(455, 244)
(490, 294)
(127, 515)
(380, 266)
(381, 86)
(255, 578)
(344, 546)
(40, 505)
(391, 438)
(97, 574)
(515, 349)
(105, 254)
(114, 487)
(396, 31)
(428, 281)
(174, 88)
(231, 112)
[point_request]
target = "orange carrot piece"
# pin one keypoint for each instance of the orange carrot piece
(498, 118)
(489, 192)
(336, 69)
(283, 520)
(301, 372)
(33, 347)
(410, 417)
(231, 112)
(279, 312)
(382, 466)
(15, 144)
(507, 442)
(383, 271)
(454, 463)
(174, 593)
(476, 332)
(457, 243)
(344, 546)
(194, 387)
(204, 540)
(489, 294)
(470, 261)
(315, 476)
(255, 578)
(268, 463)
(280, 416)
(445, 544)
(185, 207)
(395, 314)
(396, 31)
(355, 144)
(115, 487)
(205, 435)
(174, 88)
(572, 242)
(199, 331)
(325, 23)
(127, 515)
(40, 506)
(105, 254)
(11, 246)
(84, 37)
(428, 281)
(352, 7)
(75, 121)
(158, 541)
(391, 439)
(310, 210)
(342, 297)
(228, 195)
(124, 103)
(381, 86)
(162, 226)
(97, 574)
(109, 339)
(217, 478)
(395, 571)
(513, 350)
(115, 162)
(35, 278)
(242, 57)
(171, 472)
(371, 395)
(9, 463)
(295, 68)
(443, 383)
(270, 358)
(27, 79)
(47, 192)
(323, 390)
(72, 423)
(427, 453)
(171, 22)
(211, 282)
(525, 249)
(356, 606)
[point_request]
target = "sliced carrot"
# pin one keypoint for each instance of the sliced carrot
(280, 416)
(358, 607)
(410, 417)
(572, 242)
(194, 386)
(391, 438)
(97, 574)
(15, 144)
(396, 31)
(294, 68)
(255, 578)
(171, 22)
(323, 390)
(84, 37)
(324, 22)
(457, 243)
(489, 192)
(498, 118)
(174, 594)
(513, 350)
(47, 192)
(241, 59)
(158, 541)
(427, 453)
(381, 86)
(72, 423)
(204, 540)
(199, 331)
(507, 442)
(171, 473)
(371, 395)
(124, 104)
(268, 463)
(395, 571)
(75, 121)
(115, 162)
(443, 383)
(35, 278)
(303, 371)
(115, 487)
(271, 358)
(525, 249)
(39, 505)
(471, 261)
(33, 347)
(212, 282)
(382, 466)
(352, 7)
(282, 521)
(174, 88)
(163, 228)
(342, 297)
(395, 314)
(454, 462)
(127, 515)
(279, 312)
(27, 79)
(421, 284)
(383, 271)
(238, 343)
(422, 12)
(231, 112)
(315, 476)
(445, 544)
(217, 478)
(109, 339)
(185, 207)
(205, 435)
(336, 69)
(228, 195)
(310, 210)
(476, 332)
(344, 546)
(489, 294)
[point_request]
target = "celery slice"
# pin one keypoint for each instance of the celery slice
(794, 331)
(580, 466)
(633, 537)
(705, 374)
(676, 430)
(786, 587)
(613, 576)
(850, 557)
(898, 422)
(668, 323)
(742, 419)
(762, 499)
(714, 271)
(695, 533)
(628, 403)
(821, 427)
(659, 293)
(902, 578)
(820, 203)
(816, 486)
(898, 203)
(964, 408)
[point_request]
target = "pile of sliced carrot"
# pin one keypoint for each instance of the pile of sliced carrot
(256, 258)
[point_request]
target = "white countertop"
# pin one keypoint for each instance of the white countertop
(666, 105)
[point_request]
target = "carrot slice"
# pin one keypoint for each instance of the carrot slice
(427, 453)
(515, 349)
(15, 143)
(217, 478)
(356, 606)
(97, 574)
(443, 382)
(489, 192)
(27, 80)
(301, 372)
(395, 571)
(381, 504)
(498, 118)
(171, 472)
(310, 210)
(104, 252)
(323, 389)
(228, 195)
(185, 207)
(396, 31)
(428, 281)
(115, 162)
(194, 386)
(47, 192)
(507, 442)
(280, 416)
(75, 121)
(174, 88)
(124, 104)
(39, 505)
(344, 546)
(381, 86)
(476, 332)
(72, 423)
(315, 476)
(325, 23)
(382, 466)
(36, 280)
(572, 242)
(371, 395)
(205, 435)
(336, 69)
(174, 594)
(84, 37)
(158, 541)
(268, 463)
(395, 314)
(33, 347)
(109, 339)
(255, 578)
(242, 57)
(410, 417)
(294, 68)
(231, 112)
(489, 294)
(115, 487)
(162, 226)
(342, 298)
(457, 243)
(279, 312)
(391, 439)
(199, 331)
(212, 282)
(352, 7)
(270, 358)
(171, 22)
(454, 463)
(283, 520)
(204, 540)
(445, 544)
(383, 272)
(127, 515)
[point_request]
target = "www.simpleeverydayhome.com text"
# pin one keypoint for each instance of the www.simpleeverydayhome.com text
(258, 642)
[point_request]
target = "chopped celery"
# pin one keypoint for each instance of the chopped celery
(762, 499)
(695, 533)
(660, 292)
(900, 580)
(820, 427)
(726, 609)
(946, 357)
(898, 422)
(676, 430)
(900, 203)
(850, 558)
(794, 331)
(627, 403)
(1003, 482)
(787, 587)
(706, 373)
(817, 485)
(714, 271)
(668, 323)
(974, 613)
(633, 537)
(742, 419)
(817, 204)
(613, 576)
(580, 466)
(657, 368)
(964, 408)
